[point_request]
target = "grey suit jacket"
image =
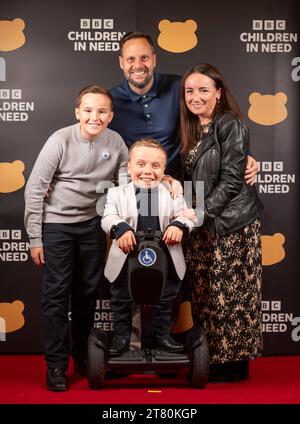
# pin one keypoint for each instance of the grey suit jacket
(121, 207)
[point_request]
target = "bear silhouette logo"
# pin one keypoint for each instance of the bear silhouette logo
(11, 34)
(12, 314)
(267, 109)
(185, 320)
(272, 249)
(177, 37)
(11, 177)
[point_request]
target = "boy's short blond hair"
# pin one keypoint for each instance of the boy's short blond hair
(147, 142)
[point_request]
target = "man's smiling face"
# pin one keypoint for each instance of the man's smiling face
(138, 63)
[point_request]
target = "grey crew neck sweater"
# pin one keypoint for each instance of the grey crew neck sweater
(73, 166)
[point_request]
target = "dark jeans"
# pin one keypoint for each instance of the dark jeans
(74, 257)
(122, 304)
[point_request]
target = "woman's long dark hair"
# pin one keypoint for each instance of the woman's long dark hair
(188, 121)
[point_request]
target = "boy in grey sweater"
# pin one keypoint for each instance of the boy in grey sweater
(64, 229)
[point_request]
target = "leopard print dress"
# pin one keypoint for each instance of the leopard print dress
(226, 291)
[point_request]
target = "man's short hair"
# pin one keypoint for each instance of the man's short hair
(95, 89)
(134, 35)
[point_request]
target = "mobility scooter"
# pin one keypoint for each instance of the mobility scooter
(147, 273)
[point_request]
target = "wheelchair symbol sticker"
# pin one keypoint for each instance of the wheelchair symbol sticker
(147, 257)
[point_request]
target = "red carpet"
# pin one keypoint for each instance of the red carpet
(273, 380)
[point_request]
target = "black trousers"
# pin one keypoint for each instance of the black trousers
(74, 258)
(122, 304)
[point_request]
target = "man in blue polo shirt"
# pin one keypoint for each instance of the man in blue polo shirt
(147, 103)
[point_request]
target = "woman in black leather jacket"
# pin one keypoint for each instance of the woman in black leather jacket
(224, 254)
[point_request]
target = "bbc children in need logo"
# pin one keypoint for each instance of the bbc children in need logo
(12, 107)
(269, 36)
(96, 34)
(13, 248)
(273, 179)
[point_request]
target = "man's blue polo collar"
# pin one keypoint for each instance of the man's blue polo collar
(134, 97)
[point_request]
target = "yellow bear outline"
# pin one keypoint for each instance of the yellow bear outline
(273, 250)
(8, 40)
(184, 320)
(267, 109)
(11, 181)
(187, 40)
(13, 321)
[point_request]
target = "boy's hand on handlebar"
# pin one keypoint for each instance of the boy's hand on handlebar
(173, 235)
(126, 242)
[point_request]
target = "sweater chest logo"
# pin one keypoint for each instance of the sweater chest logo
(106, 155)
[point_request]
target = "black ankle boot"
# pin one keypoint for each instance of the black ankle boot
(57, 380)
(118, 346)
(167, 344)
(221, 373)
(242, 369)
(229, 371)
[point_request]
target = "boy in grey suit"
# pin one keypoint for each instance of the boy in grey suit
(142, 204)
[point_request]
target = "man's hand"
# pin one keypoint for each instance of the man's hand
(251, 170)
(188, 213)
(126, 242)
(47, 195)
(37, 256)
(173, 235)
(174, 186)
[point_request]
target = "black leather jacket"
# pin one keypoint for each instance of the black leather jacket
(229, 203)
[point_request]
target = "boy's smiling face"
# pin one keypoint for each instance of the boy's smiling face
(147, 166)
(94, 114)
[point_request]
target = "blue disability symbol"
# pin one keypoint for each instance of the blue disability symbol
(147, 257)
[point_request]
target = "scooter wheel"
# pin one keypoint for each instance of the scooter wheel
(200, 365)
(95, 364)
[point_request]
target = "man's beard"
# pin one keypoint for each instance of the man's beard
(141, 84)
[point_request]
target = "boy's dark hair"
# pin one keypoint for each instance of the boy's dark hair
(134, 35)
(95, 89)
(147, 142)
